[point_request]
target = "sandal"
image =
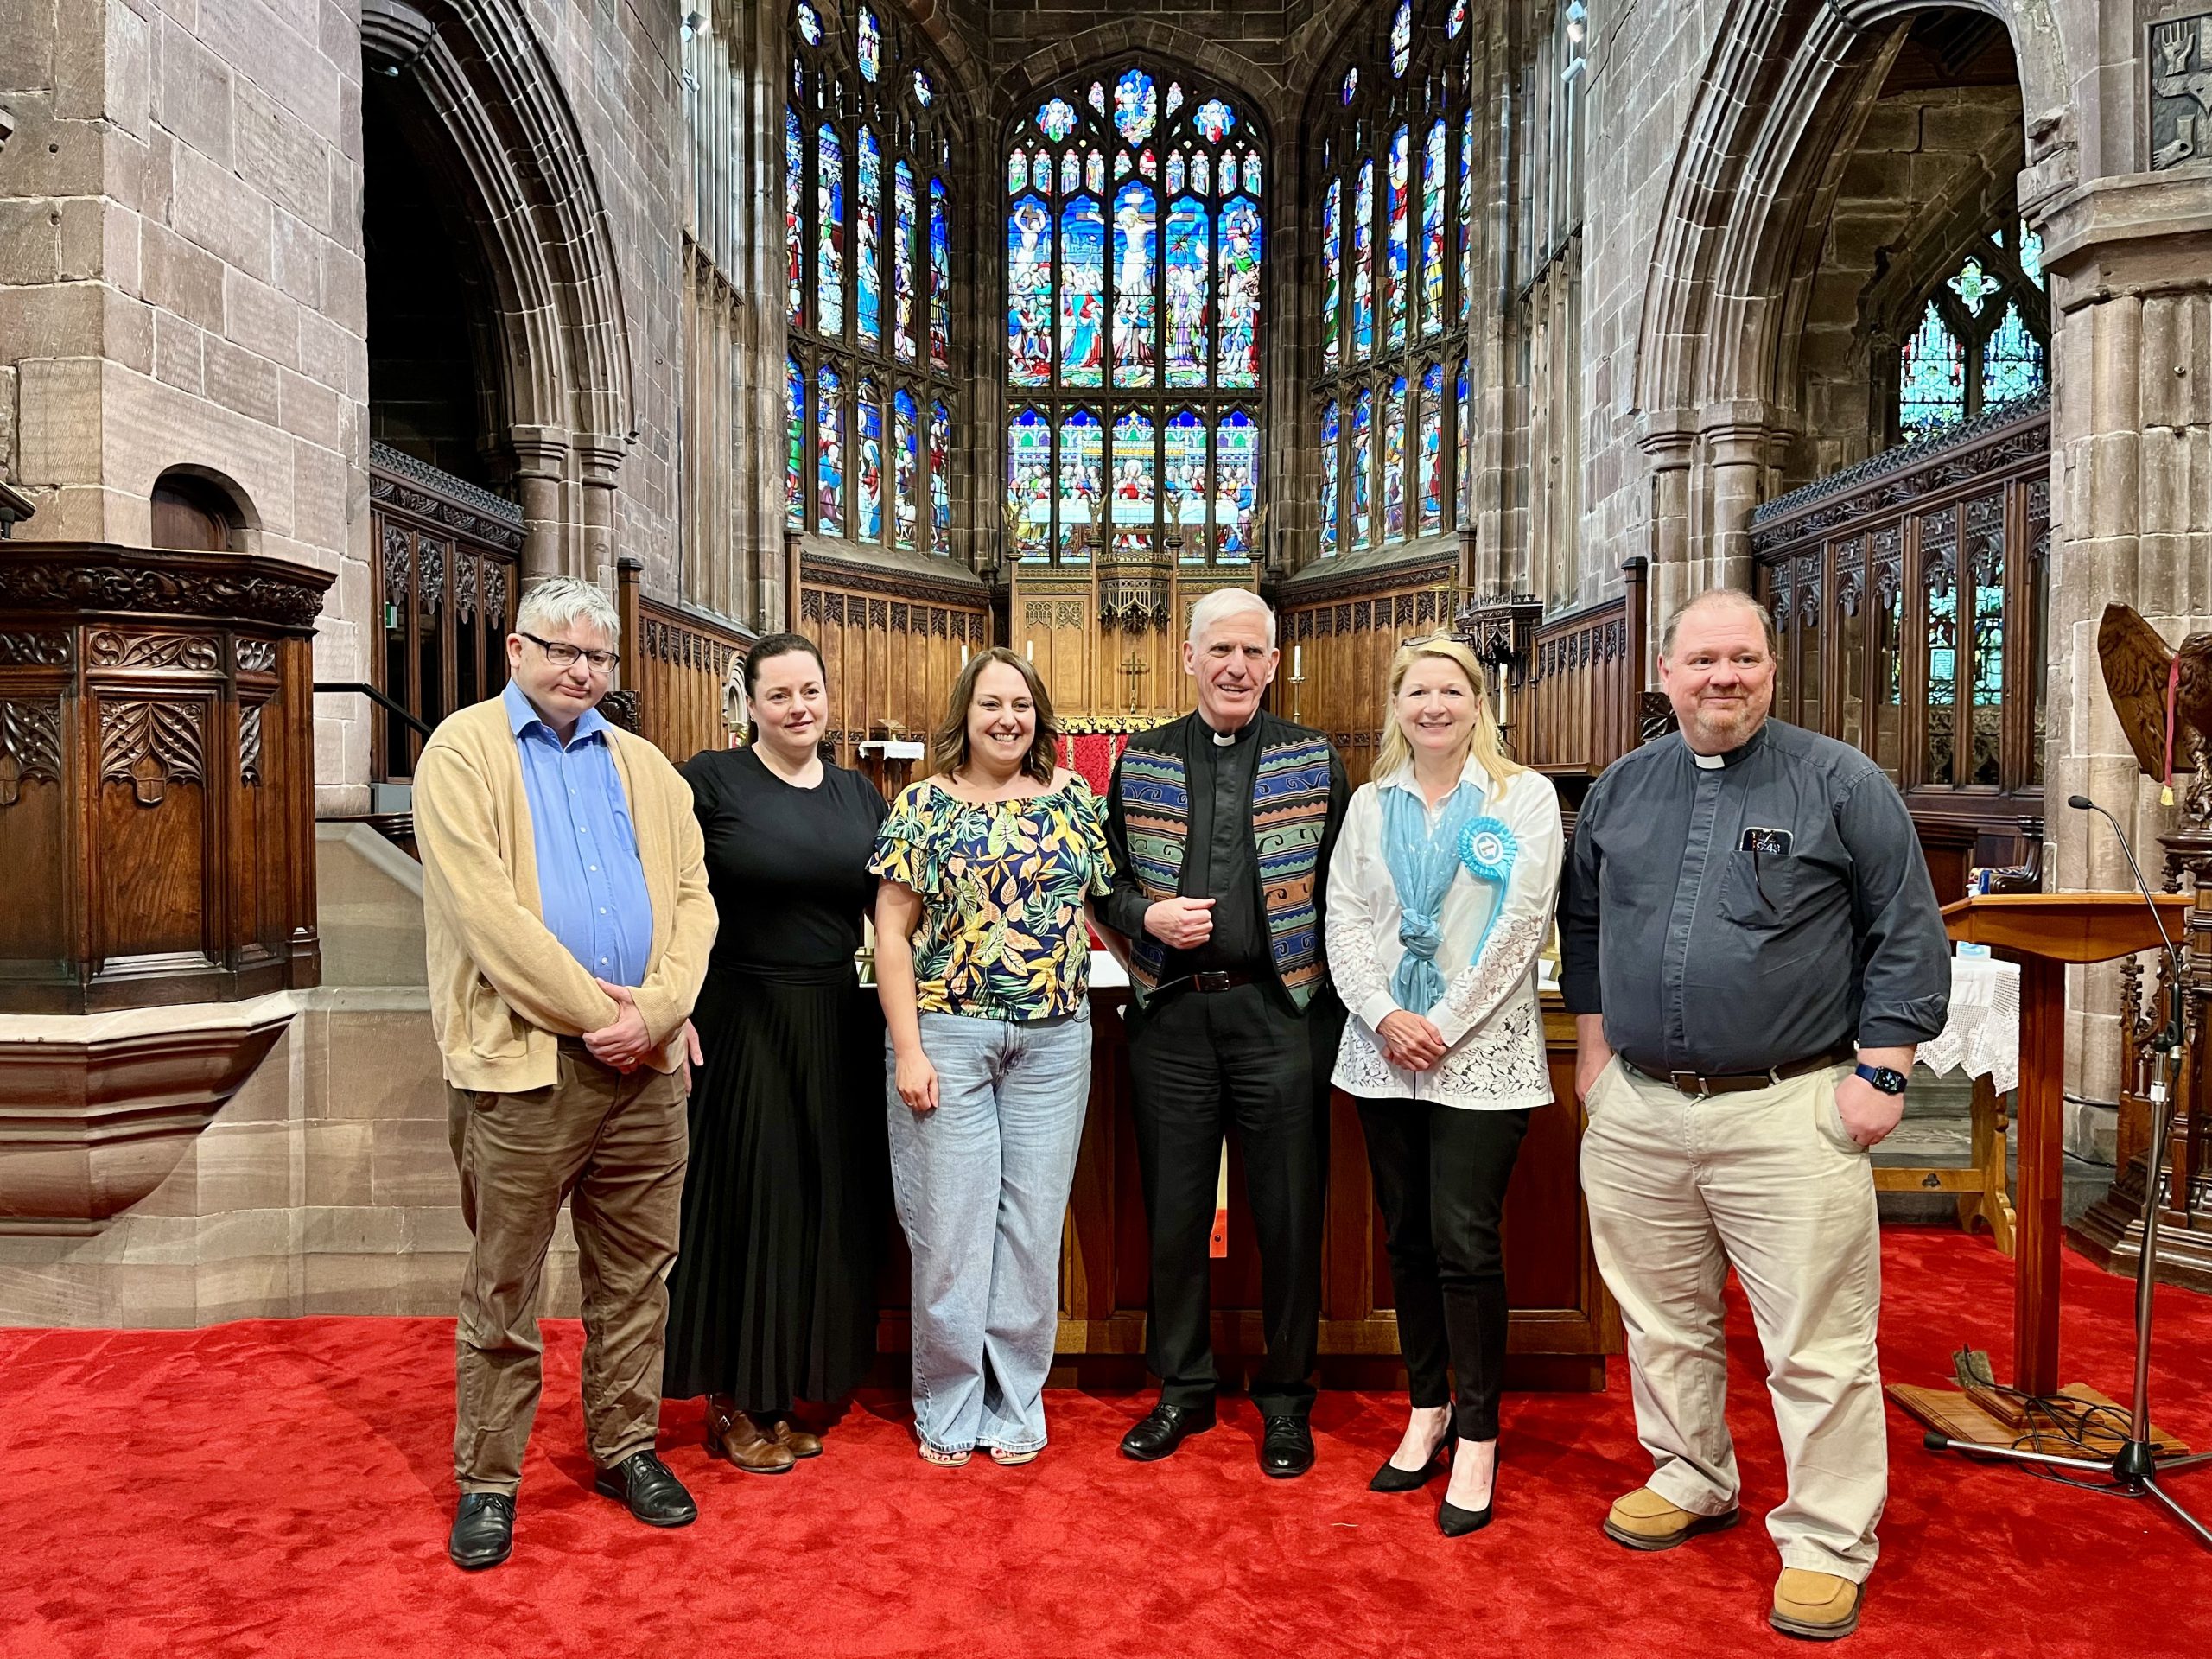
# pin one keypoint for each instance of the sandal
(941, 1458)
(1007, 1459)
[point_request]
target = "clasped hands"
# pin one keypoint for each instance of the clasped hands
(1411, 1042)
(624, 1044)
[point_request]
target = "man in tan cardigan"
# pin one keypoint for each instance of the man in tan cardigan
(564, 891)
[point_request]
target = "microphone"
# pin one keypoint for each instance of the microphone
(2171, 1037)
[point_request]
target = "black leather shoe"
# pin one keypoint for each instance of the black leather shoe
(1286, 1447)
(1391, 1478)
(655, 1497)
(1166, 1428)
(483, 1531)
(1455, 1522)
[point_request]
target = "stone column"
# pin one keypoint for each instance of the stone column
(541, 459)
(1736, 459)
(2129, 260)
(1669, 583)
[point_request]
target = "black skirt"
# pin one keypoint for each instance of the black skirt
(773, 1296)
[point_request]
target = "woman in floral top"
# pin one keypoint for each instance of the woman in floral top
(984, 964)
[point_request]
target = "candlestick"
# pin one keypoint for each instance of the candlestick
(1029, 649)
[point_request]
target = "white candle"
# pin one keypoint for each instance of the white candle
(1029, 649)
(1297, 661)
(963, 656)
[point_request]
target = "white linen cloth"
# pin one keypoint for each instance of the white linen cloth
(1982, 1035)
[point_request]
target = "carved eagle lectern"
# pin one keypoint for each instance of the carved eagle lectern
(2146, 677)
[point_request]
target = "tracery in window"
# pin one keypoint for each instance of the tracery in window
(1395, 190)
(868, 228)
(1979, 337)
(1134, 241)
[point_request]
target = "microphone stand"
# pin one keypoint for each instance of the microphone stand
(2134, 1469)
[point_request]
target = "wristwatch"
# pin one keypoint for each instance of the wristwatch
(1888, 1081)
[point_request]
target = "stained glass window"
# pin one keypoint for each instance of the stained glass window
(1363, 265)
(868, 236)
(2011, 361)
(830, 237)
(1462, 491)
(906, 482)
(940, 479)
(871, 37)
(794, 230)
(1188, 256)
(795, 457)
(1331, 269)
(1029, 483)
(1394, 461)
(1932, 393)
(857, 217)
(867, 424)
(1083, 481)
(902, 262)
(1239, 288)
(940, 278)
(1135, 505)
(1330, 465)
(1432, 231)
(1135, 256)
(1393, 340)
(1394, 284)
(1237, 464)
(1429, 453)
(1158, 277)
(1351, 83)
(1357, 482)
(1979, 341)
(830, 454)
(1184, 486)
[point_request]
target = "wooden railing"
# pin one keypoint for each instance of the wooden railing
(1585, 676)
(677, 670)
(1910, 595)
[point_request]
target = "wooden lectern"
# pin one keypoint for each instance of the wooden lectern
(2045, 933)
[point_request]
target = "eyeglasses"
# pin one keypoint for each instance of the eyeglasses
(562, 655)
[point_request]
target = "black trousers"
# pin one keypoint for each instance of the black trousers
(1202, 1064)
(1439, 1180)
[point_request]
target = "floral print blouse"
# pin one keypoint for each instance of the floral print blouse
(1002, 884)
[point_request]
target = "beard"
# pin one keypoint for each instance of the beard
(1719, 728)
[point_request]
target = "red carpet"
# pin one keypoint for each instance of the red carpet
(283, 1488)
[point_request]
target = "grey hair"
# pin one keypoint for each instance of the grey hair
(560, 602)
(1722, 597)
(1225, 602)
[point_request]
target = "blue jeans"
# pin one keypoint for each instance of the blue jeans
(981, 1187)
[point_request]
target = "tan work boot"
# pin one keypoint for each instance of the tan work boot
(785, 1430)
(733, 1435)
(1643, 1520)
(1817, 1605)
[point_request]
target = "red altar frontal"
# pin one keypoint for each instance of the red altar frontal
(1563, 1322)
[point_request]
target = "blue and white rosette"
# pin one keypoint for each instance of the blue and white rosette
(1487, 849)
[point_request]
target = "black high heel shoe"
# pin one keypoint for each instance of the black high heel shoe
(1455, 1522)
(1391, 1478)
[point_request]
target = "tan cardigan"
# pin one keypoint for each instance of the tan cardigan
(502, 988)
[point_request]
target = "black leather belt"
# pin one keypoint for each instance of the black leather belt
(1733, 1082)
(1213, 979)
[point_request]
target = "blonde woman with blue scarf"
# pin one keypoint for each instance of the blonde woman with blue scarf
(1439, 897)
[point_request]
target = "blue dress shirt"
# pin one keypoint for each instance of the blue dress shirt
(591, 883)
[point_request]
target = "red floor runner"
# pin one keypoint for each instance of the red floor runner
(282, 1487)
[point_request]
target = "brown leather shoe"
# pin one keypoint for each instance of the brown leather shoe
(1818, 1605)
(1643, 1520)
(784, 1429)
(735, 1436)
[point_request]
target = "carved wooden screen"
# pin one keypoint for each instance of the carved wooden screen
(447, 587)
(1910, 594)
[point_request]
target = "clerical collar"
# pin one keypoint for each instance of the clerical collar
(1742, 751)
(1230, 740)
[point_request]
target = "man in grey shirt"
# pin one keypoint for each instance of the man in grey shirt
(1752, 950)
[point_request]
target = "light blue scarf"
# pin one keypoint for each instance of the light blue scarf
(1423, 863)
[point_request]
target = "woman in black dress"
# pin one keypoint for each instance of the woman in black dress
(772, 1297)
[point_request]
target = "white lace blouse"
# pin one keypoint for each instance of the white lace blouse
(1489, 1014)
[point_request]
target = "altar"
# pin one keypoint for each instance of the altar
(1563, 1324)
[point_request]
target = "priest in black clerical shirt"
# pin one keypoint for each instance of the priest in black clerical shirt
(1221, 824)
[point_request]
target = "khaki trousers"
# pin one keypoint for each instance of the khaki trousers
(1680, 1188)
(613, 1146)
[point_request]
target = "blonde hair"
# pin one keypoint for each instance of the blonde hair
(1485, 741)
